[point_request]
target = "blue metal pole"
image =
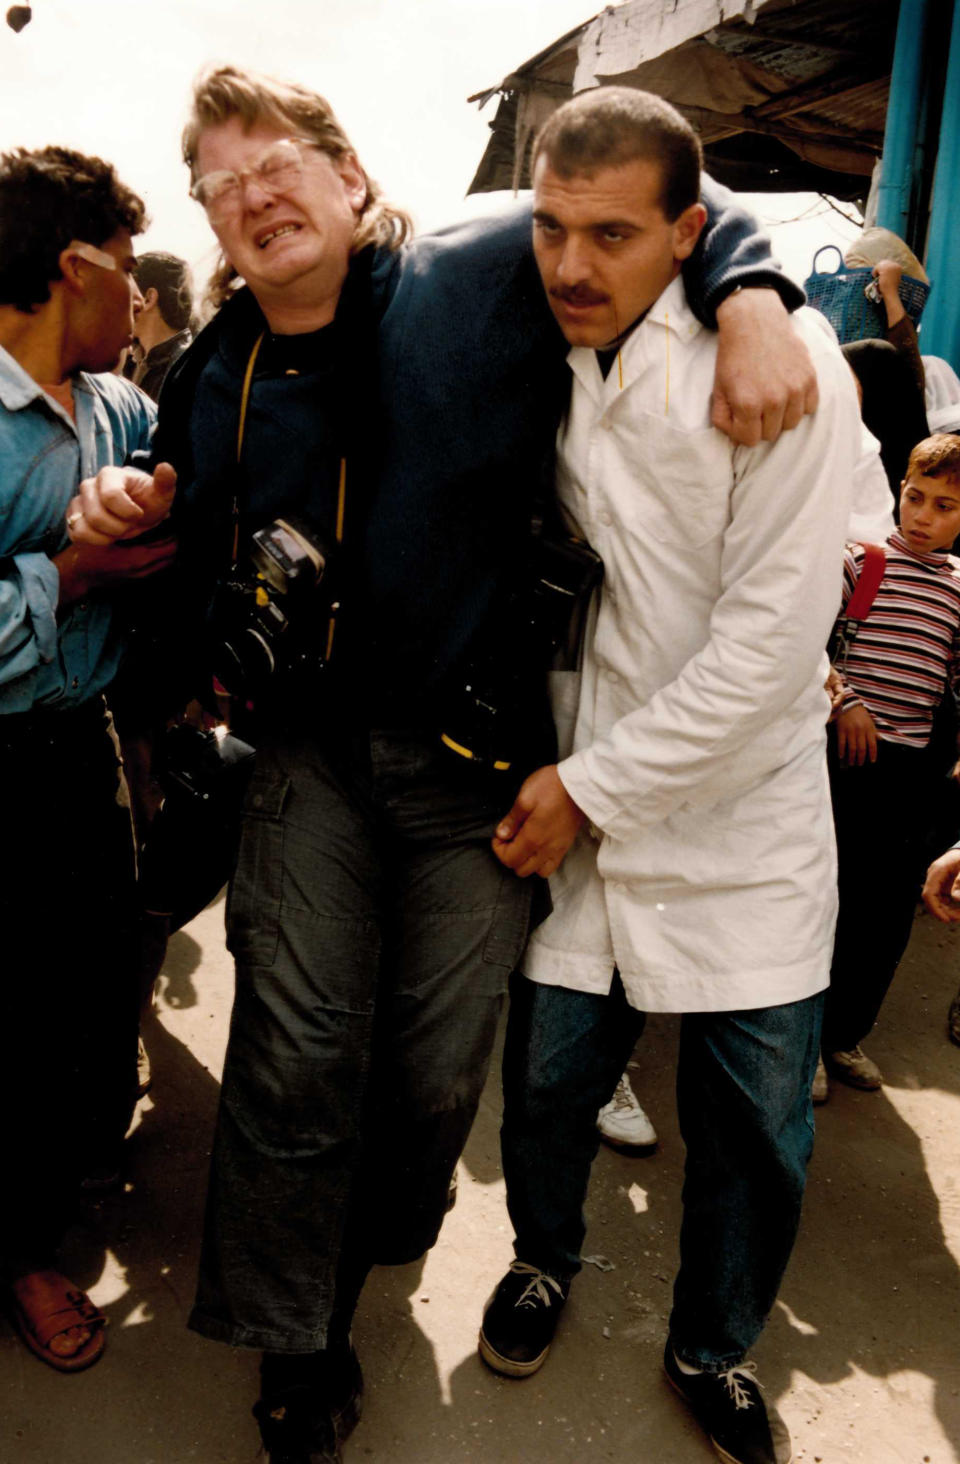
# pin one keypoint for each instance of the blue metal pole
(903, 112)
(940, 334)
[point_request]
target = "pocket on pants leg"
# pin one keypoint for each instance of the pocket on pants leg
(254, 899)
(510, 922)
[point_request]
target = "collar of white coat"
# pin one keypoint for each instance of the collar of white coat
(669, 316)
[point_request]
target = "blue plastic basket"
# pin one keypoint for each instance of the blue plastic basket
(839, 295)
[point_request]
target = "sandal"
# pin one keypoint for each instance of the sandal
(57, 1306)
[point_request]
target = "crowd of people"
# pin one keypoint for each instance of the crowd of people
(514, 551)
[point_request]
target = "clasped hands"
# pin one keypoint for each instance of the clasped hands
(104, 521)
(120, 503)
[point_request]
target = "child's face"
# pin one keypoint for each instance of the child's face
(929, 512)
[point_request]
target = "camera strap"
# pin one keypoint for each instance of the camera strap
(235, 506)
(241, 429)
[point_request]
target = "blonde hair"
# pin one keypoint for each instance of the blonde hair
(226, 92)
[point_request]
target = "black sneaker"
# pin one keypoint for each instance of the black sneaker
(301, 1423)
(730, 1406)
(520, 1320)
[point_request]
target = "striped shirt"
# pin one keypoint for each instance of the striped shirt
(907, 651)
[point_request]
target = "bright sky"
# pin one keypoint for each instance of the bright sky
(112, 77)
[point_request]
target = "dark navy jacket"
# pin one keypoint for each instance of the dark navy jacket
(442, 381)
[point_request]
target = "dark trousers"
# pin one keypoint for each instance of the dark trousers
(373, 932)
(743, 1095)
(68, 1038)
(881, 812)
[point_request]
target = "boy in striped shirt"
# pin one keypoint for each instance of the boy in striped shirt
(904, 658)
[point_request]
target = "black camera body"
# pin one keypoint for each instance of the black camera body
(206, 765)
(272, 616)
(496, 712)
(191, 846)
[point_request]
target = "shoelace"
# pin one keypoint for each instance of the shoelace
(735, 1387)
(622, 1098)
(536, 1288)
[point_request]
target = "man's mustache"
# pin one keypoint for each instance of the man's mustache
(578, 295)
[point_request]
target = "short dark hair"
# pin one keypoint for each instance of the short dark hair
(49, 197)
(170, 277)
(612, 125)
(937, 457)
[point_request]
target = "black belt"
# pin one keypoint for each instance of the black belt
(49, 727)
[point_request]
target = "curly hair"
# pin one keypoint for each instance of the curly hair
(227, 92)
(48, 197)
(937, 457)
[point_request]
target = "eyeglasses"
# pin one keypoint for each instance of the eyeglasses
(92, 254)
(278, 167)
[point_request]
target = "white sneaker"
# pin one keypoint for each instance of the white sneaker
(624, 1125)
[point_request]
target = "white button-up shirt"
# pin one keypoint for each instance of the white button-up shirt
(707, 871)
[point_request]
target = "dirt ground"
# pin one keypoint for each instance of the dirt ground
(861, 1352)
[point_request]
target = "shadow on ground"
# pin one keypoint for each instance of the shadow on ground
(861, 1352)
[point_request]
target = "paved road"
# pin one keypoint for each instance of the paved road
(861, 1353)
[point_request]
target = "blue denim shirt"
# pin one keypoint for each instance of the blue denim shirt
(46, 659)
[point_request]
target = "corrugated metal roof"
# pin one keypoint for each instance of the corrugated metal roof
(807, 78)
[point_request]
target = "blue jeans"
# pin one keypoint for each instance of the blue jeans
(373, 932)
(743, 1095)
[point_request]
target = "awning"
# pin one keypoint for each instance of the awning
(786, 95)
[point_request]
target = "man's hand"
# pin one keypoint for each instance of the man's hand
(941, 893)
(540, 827)
(86, 567)
(120, 503)
(765, 381)
(856, 737)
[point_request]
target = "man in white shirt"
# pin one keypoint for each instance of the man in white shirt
(692, 816)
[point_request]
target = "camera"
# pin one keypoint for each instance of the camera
(497, 714)
(272, 618)
(206, 765)
(191, 845)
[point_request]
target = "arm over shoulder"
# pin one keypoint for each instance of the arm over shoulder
(733, 252)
